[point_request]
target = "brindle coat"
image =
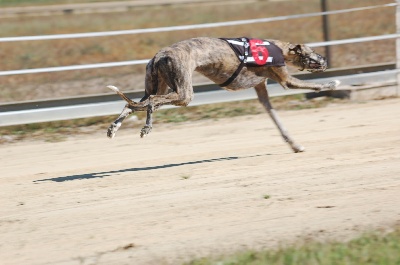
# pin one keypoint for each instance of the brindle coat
(172, 67)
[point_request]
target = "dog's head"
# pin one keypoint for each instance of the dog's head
(302, 56)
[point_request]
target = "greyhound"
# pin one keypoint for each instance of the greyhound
(169, 74)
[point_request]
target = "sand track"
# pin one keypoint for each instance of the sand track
(198, 188)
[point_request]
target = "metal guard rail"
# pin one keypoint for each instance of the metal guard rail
(111, 104)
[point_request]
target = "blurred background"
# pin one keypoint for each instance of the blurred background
(47, 17)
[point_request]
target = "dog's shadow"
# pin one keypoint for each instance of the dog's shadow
(138, 169)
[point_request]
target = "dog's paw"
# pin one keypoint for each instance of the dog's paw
(112, 130)
(298, 148)
(333, 84)
(145, 131)
(110, 133)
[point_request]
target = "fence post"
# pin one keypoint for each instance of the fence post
(325, 28)
(398, 47)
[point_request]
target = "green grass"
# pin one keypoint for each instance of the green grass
(266, 196)
(185, 176)
(49, 131)
(59, 130)
(369, 249)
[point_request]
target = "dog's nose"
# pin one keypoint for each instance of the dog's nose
(323, 62)
(321, 59)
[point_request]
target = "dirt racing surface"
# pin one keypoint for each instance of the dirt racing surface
(201, 188)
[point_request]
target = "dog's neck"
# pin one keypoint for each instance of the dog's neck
(291, 59)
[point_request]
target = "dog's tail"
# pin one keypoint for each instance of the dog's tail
(122, 95)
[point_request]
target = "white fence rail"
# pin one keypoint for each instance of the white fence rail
(175, 28)
(187, 27)
(99, 109)
(9, 118)
(136, 62)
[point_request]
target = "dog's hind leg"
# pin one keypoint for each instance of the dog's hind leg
(173, 73)
(128, 109)
(263, 97)
(118, 122)
(152, 86)
(156, 101)
(149, 121)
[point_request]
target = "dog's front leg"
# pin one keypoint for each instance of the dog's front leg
(295, 83)
(283, 77)
(118, 122)
(263, 97)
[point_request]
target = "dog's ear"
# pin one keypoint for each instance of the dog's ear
(295, 49)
